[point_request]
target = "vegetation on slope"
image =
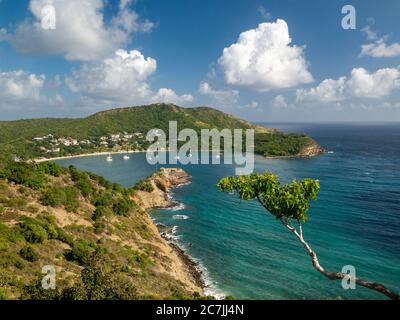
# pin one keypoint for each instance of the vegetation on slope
(16, 137)
(102, 244)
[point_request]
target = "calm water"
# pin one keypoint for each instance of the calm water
(248, 254)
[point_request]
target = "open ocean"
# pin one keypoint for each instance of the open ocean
(248, 254)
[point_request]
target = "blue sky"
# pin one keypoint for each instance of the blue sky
(106, 54)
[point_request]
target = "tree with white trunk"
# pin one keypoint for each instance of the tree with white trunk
(289, 203)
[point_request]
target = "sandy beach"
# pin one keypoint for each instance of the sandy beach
(105, 153)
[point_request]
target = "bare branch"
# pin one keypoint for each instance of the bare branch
(338, 275)
(300, 229)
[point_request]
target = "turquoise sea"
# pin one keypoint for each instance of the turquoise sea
(248, 254)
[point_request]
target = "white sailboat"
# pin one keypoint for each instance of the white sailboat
(109, 158)
(126, 157)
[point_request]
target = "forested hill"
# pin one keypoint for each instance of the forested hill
(23, 138)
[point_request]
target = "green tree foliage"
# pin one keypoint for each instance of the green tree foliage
(23, 173)
(290, 201)
(82, 181)
(50, 168)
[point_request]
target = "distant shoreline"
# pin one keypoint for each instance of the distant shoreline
(38, 160)
(104, 153)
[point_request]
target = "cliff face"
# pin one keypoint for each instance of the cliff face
(84, 226)
(162, 181)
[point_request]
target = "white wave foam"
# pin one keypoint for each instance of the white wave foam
(210, 286)
(180, 217)
(182, 185)
(170, 234)
(177, 207)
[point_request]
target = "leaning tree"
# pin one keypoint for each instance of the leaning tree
(289, 203)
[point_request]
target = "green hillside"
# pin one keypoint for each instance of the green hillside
(16, 137)
(101, 242)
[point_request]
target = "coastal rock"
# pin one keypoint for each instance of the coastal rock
(162, 181)
(313, 149)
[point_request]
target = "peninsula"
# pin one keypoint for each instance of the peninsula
(125, 129)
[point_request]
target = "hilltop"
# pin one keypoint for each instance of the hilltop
(125, 128)
(97, 234)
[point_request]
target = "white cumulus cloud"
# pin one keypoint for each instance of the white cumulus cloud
(279, 102)
(379, 49)
(81, 32)
(264, 59)
(360, 84)
(19, 87)
(328, 90)
(223, 98)
(120, 79)
(374, 85)
(169, 96)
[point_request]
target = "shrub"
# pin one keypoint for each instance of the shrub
(36, 292)
(71, 199)
(18, 172)
(123, 206)
(73, 172)
(50, 168)
(24, 173)
(17, 203)
(100, 212)
(99, 227)
(29, 254)
(81, 252)
(103, 200)
(143, 185)
(64, 237)
(9, 235)
(118, 188)
(3, 295)
(53, 197)
(33, 233)
(56, 197)
(84, 185)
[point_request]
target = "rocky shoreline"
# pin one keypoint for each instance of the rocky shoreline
(310, 151)
(192, 266)
(163, 181)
